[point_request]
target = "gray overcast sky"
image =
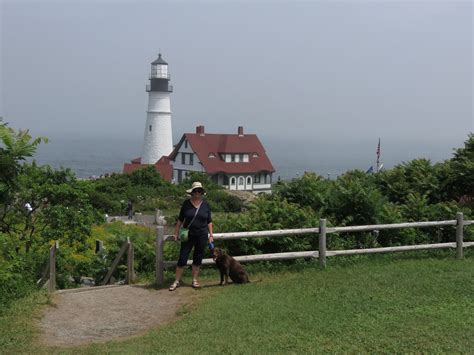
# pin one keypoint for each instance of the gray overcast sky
(324, 70)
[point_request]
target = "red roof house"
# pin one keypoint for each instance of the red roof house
(236, 161)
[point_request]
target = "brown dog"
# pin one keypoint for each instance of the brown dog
(229, 267)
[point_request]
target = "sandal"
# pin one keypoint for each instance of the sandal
(174, 285)
(195, 284)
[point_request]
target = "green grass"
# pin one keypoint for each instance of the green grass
(16, 324)
(393, 303)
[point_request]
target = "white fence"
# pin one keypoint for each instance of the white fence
(322, 253)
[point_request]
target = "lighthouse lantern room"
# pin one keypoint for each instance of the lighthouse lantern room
(158, 140)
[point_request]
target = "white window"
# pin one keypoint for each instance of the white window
(246, 158)
(241, 180)
(254, 155)
(249, 181)
(232, 180)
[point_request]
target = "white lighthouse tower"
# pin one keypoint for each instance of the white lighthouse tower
(158, 140)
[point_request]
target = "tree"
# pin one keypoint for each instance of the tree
(460, 183)
(15, 147)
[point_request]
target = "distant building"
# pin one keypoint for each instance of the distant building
(234, 161)
(158, 138)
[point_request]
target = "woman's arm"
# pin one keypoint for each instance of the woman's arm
(179, 221)
(211, 233)
(176, 229)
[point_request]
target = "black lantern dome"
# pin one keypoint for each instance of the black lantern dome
(159, 77)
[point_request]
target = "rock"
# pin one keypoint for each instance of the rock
(246, 197)
(87, 281)
(161, 221)
(138, 217)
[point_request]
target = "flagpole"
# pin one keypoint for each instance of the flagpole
(378, 157)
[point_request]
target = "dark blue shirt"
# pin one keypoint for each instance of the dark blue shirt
(203, 217)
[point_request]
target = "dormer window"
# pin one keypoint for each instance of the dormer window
(254, 155)
(234, 157)
(211, 155)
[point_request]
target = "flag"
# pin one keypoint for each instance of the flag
(370, 170)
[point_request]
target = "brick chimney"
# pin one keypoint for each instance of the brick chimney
(240, 131)
(200, 130)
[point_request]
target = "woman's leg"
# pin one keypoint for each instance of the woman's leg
(199, 248)
(195, 272)
(179, 273)
(184, 251)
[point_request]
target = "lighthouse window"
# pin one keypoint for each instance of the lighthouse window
(149, 128)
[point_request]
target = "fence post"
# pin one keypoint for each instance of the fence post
(52, 268)
(99, 245)
(322, 243)
(159, 266)
(459, 235)
(130, 259)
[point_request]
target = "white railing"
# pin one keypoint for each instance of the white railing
(322, 253)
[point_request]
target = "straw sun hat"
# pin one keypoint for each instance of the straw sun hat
(196, 185)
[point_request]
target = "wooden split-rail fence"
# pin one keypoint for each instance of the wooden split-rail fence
(322, 253)
(49, 273)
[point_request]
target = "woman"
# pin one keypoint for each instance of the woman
(195, 215)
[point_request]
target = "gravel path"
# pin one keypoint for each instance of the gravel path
(97, 315)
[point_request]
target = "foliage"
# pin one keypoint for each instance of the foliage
(267, 213)
(38, 205)
(460, 183)
(310, 190)
(418, 176)
(144, 187)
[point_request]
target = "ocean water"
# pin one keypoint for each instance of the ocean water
(290, 157)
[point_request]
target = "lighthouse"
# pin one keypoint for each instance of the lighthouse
(158, 140)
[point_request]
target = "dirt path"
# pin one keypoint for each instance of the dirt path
(98, 315)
